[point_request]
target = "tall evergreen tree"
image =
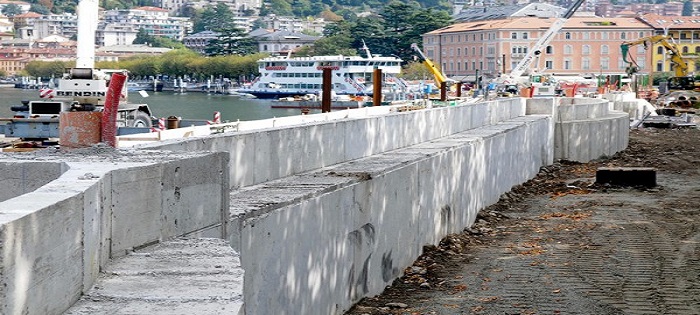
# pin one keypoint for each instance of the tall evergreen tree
(687, 8)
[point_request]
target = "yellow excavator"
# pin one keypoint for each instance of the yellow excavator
(682, 80)
(441, 80)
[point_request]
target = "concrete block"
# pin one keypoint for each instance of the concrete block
(194, 195)
(41, 257)
(242, 156)
(23, 177)
(626, 176)
(136, 207)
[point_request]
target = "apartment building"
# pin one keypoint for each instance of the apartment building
(155, 21)
(685, 31)
(585, 45)
(56, 24)
(292, 24)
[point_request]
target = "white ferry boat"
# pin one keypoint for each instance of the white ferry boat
(352, 75)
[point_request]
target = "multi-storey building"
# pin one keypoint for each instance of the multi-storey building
(56, 24)
(281, 42)
(473, 14)
(155, 21)
(199, 41)
(24, 24)
(5, 25)
(113, 34)
(291, 24)
(585, 45)
(685, 31)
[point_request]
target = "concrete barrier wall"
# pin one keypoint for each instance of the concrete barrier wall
(23, 177)
(56, 238)
(268, 154)
(584, 129)
(316, 255)
(322, 254)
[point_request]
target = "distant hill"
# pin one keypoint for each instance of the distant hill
(299, 8)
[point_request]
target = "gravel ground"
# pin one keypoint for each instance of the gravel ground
(563, 244)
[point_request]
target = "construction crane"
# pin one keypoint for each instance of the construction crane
(682, 80)
(542, 42)
(440, 79)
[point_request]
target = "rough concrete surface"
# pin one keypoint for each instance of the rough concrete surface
(183, 276)
(562, 244)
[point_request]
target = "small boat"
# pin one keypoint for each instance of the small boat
(312, 101)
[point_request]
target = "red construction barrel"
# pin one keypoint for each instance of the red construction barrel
(79, 129)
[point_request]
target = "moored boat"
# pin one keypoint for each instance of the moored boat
(351, 75)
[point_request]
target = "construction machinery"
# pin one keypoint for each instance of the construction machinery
(682, 89)
(82, 88)
(543, 84)
(441, 80)
(682, 80)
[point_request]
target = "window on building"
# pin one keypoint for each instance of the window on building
(605, 35)
(685, 49)
(659, 66)
(567, 64)
(585, 50)
(481, 36)
(548, 64)
(458, 51)
(514, 35)
(684, 35)
(567, 35)
(697, 51)
(466, 65)
(514, 50)
(568, 49)
(473, 51)
(659, 50)
(548, 50)
(623, 35)
(481, 51)
(604, 64)
(524, 35)
(586, 35)
(586, 64)
(604, 49)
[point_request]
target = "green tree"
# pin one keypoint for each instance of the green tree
(142, 37)
(279, 7)
(213, 18)
(38, 8)
(687, 8)
(46, 69)
(416, 70)
(232, 41)
(11, 10)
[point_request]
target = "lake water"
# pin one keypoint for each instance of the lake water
(190, 105)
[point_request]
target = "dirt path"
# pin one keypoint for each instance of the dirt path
(560, 244)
